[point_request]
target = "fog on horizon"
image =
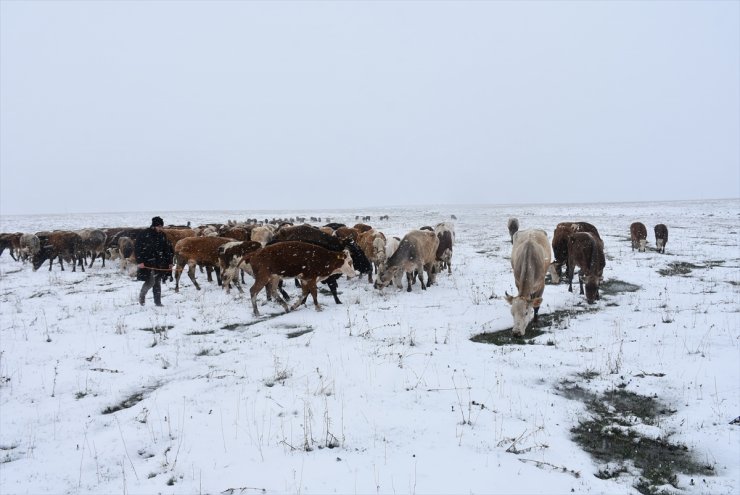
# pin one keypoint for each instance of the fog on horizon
(167, 106)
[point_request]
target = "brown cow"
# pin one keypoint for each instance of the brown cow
(175, 235)
(362, 227)
(513, 226)
(344, 233)
(11, 242)
(638, 235)
(586, 251)
(238, 233)
(563, 231)
(294, 259)
(202, 251)
(530, 258)
(62, 244)
(661, 237)
(446, 233)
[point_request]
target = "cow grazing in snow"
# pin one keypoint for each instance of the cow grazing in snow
(530, 258)
(560, 237)
(30, 245)
(661, 237)
(638, 236)
(416, 252)
(58, 244)
(586, 251)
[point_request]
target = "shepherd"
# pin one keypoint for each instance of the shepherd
(154, 254)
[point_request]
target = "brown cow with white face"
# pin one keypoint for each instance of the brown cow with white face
(294, 259)
(513, 226)
(661, 237)
(638, 236)
(530, 259)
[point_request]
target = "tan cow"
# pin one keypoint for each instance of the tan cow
(372, 243)
(416, 252)
(530, 258)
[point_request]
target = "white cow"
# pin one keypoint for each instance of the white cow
(530, 258)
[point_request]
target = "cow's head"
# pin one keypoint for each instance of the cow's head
(347, 267)
(555, 272)
(659, 243)
(38, 259)
(522, 309)
(643, 243)
(386, 276)
(592, 288)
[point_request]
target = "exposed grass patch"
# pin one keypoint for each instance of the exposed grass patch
(504, 337)
(678, 268)
(298, 333)
(158, 329)
(236, 326)
(201, 332)
(608, 435)
(612, 287)
(129, 401)
(557, 318)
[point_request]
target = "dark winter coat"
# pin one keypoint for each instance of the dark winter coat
(154, 250)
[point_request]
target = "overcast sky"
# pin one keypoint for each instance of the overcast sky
(147, 106)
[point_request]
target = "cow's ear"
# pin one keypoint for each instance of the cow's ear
(536, 302)
(509, 298)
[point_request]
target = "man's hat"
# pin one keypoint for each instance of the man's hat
(157, 222)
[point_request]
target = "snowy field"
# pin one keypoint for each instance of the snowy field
(386, 393)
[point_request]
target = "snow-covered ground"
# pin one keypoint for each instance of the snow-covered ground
(385, 393)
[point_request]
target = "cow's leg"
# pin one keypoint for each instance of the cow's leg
(253, 291)
(272, 287)
(409, 280)
(51, 262)
(420, 271)
(209, 271)
(312, 288)
(61, 263)
(218, 275)
(191, 273)
(569, 276)
(580, 281)
(178, 274)
(82, 261)
(332, 283)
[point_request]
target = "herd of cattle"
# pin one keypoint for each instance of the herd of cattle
(272, 252)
